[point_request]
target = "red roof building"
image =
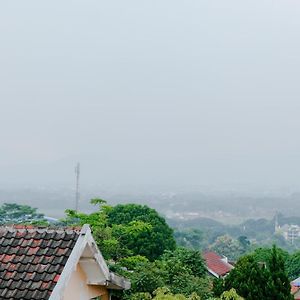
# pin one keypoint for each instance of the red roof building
(216, 265)
(53, 264)
(295, 288)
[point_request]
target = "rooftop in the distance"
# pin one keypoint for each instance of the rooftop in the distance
(217, 265)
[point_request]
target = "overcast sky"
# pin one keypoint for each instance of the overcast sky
(151, 92)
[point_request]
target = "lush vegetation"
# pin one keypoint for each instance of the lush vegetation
(260, 232)
(15, 214)
(259, 276)
(138, 244)
(127, 230)
(151, 242)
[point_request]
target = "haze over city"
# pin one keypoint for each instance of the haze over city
(151, 95)
(150, 150)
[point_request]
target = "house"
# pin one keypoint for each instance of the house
(54, 264)
(217, 266)
(295, 288)
(290, 232)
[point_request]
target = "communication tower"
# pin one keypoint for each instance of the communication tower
(77, 193)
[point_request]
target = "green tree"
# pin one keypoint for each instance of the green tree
(248, 278)
(14, 213)
(110, 245)
(191, 238)
(230, 295)
(114, 239)
(185, 272)
(182, 272)
(260, 279)
(218, 286)
(132, 262)
(278, 284)
(293, 265)
(227, 246)
(146, 277)
(163, 293)
(126, 230)
(263, 254)
(139, 245)
(244, 243)
(97, 219)
(150, 243)
(187, 258)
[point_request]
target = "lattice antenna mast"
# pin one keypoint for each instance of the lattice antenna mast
(77, 193)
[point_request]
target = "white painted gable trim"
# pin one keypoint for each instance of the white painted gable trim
(213, 273)
(85, 238)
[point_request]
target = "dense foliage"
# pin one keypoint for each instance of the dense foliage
(150, 243)
(127, 230)
(138, 244)
(15, 214)
(191, 238)
(292, 263)
(260, 232)
(254, 278)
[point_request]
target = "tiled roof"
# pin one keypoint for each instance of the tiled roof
(296, 282)
(216, 263)
(32, 259)
(295, 288)
(295, 291)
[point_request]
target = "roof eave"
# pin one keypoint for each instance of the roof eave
(111, 280)
(118, 282)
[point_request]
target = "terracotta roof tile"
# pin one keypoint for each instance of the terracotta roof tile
(216, 263)
(32, 259)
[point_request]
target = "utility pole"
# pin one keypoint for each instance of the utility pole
(77, 193)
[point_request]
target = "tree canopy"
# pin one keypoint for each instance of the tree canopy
(293, 265)
(126, 230)
(138, 244)
(155, 235)
(260, 279)
(228, 246)
(14, 213)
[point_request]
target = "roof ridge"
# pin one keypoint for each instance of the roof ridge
(19, 227)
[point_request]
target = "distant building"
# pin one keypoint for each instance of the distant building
(217, 266)
(295, 288)
(289, 232)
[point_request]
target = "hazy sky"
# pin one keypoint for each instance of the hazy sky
(151, 92)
